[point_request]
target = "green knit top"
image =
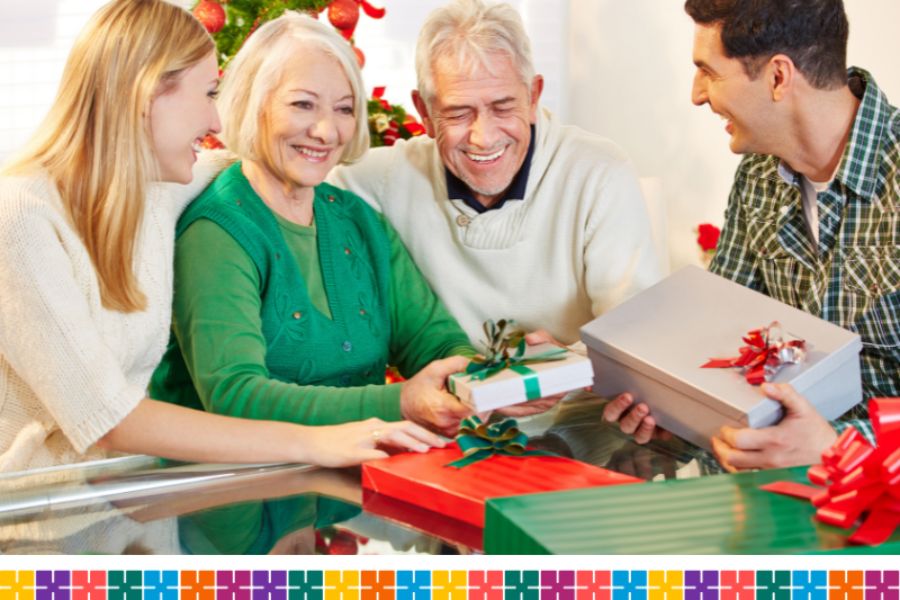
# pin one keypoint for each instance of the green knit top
(273, 320)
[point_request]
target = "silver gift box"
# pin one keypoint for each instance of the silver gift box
(654, 345)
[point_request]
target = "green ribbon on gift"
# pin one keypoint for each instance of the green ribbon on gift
(479, 441)
(497, 358)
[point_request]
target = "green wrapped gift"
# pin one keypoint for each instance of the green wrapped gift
(718, 514)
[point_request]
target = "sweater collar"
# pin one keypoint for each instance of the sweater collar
(458, 190)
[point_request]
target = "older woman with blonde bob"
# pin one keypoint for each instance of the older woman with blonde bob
(292, 295)
(87, 214)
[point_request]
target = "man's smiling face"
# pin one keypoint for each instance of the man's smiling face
(723, 83)
(482, 123)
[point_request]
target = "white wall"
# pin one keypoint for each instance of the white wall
(630, 76)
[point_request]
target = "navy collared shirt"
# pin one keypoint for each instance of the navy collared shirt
(458, 190)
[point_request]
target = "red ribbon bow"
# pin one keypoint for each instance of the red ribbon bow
(764, 355)
(858, 478)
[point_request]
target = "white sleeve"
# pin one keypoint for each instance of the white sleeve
(46, 331)
(366, 178)
(619, 256)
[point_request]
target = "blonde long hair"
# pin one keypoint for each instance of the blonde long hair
(95, 142)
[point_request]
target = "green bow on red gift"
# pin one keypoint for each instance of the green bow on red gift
(859, 478)
(497, 358)
(479, 442)
(764, 355)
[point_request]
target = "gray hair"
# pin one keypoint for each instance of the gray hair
(472, 32)
(257, 70)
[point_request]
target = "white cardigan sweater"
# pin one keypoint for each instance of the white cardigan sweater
(71, 370)
(576, 246)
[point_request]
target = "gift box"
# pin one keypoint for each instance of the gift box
(434, 524)
(460, 493)
(514, 385)
(654, 345)
(718, 514)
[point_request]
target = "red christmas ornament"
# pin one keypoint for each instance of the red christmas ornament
(360, 57)
(344, 14)
(392, 134)
(211, 15)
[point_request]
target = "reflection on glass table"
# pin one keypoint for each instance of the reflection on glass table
(138, 505)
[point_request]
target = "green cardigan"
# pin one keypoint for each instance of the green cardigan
(248, 338)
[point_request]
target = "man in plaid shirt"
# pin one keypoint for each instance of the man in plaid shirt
(813, 219)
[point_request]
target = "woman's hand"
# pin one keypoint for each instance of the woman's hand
(354, 443)
(424, 399)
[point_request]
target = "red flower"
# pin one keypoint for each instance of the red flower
(708, 237)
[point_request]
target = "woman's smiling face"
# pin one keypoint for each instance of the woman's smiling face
(309, 118)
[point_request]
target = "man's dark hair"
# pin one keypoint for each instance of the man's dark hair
(813, 33)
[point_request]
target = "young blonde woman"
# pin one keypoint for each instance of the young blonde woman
(87, 219)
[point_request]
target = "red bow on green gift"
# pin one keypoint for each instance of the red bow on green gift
(859, 478)
(764, 355)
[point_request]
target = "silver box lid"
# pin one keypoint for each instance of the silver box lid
(670, 330)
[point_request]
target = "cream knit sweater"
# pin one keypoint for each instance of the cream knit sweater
(71, 370)
(576, 246)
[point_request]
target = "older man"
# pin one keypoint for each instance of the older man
(507, 213)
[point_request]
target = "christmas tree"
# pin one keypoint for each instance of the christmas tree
(231, 24)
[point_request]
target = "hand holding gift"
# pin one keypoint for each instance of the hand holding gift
(799, 439)
(424, 399)
(511, 372)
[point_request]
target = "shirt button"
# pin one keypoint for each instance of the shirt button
(347, 346)
(240, 203)
(297, 315)
(462, 220)
(762, 251)
(345, 380)
(277, 256)
(368, 373)
(875, 288)
(362, 311)
(346, 250)
(331, 198)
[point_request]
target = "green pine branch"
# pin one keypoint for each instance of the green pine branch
(241, 15)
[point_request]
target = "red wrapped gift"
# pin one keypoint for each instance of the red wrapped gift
(434, 524)
(426, 481)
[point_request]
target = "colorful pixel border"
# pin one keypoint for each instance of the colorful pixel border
(449, 585)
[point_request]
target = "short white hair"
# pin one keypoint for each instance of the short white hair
(257, 70)
(472, 33)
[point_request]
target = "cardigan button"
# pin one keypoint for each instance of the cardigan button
(297, 315)
(368, 373)
(346, 250)
(277, 256)
(462, 220)
(345, 380)
(331, 198)
(362, 311)
(240, 203)
(347, 346)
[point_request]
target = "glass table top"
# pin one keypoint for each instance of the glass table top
(144, 505)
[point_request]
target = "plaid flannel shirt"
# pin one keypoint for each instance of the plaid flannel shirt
(853, 278)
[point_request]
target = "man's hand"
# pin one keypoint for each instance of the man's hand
(798, 440)
(636, 421)
(534, 407)
(424, 398)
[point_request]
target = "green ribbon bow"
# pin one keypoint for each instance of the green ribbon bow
(497, 358)
(479, 441)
